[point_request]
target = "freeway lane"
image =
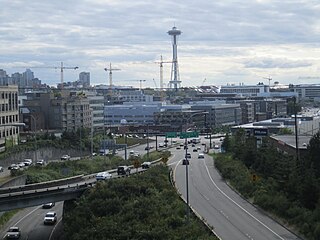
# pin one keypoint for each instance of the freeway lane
(30, 222)
(231, 216)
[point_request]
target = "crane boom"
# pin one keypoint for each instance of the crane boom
(61, 70)
(110, 69)
(161, 62)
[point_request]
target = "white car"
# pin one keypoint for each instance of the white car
(103, 176)
(146, 165)
(50, 218)
(200, 155)
(13, 233)
(65, 157)
(40, 162)
(27, 162)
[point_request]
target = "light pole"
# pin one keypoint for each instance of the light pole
(35, 135)
(187, 163)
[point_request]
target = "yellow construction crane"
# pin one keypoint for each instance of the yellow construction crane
(110, 69)
(161, 73)
(61, 70)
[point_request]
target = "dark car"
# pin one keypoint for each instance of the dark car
(195, 150)
(188, 155)
(185, 162)
(123, 170)
(48, 205)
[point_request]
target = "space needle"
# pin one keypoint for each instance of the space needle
(175, 78)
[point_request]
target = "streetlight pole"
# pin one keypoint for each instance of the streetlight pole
(187, 163)
(35, 136)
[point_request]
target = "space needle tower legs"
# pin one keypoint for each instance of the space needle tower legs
(175, 78)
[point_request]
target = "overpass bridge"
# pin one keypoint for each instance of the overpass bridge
(37, 194)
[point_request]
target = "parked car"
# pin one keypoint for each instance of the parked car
(13, 167)
(216, 147)
(50, 218)
(21, 164)
(123, 170)
(48, 205)
(200, 155)
(146, 165)
(13, 233)
(178, 147)
(27, 161)
(103, 176)
(65, 157)
(40, 162)
(188, 155)
(1, 169)
(185, 162)
(195, 150)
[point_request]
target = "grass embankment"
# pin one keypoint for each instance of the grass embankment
(144, 206)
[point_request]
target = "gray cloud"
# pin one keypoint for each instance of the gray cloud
(92, 33)
(275, 63)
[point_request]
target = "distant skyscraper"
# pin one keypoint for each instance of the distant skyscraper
(4, 78)
(84, 79)
(27, 78)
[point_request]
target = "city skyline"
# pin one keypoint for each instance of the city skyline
(221, 42)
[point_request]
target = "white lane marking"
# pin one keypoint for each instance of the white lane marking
(27, 215)
(54, 228)
(240, 206)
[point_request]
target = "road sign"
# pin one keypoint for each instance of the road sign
(189, 134)
(260, 132)
(171, 135)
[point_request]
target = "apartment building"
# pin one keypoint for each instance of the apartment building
(9, 115)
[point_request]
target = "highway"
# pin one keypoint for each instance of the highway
(231, 216)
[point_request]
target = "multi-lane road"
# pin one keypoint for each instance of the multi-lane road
(231, 216)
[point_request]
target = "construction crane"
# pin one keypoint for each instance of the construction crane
(61, 70)
(161, 73)
(143, 80)
(155, 84)
(110, 69)
(268, 78)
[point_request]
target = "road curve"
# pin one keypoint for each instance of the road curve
(231, 216)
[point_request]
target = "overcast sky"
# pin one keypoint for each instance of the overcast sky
(222, 41)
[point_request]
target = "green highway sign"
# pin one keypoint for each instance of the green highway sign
(189, 134)
(171, 135)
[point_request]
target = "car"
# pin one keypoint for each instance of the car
(1, 169)
(123, 170)
(146, 165)
(21, 164)
(199, 148)
(103, 176)
(65, 157)
(40, 162)
(200, 155)
(185, 162)
(13, 233)
(131, 152)
(27, 161)
(50, 218)
(188, 155)
(48, 205)
(216, 147)
(193, 145)
(195, 150)
(161, 145)
(178, 147)
(13, 167)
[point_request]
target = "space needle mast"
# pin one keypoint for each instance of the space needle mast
(175, 78)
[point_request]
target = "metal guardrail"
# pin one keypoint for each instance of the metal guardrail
(48, 184)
